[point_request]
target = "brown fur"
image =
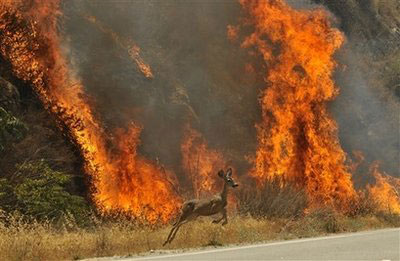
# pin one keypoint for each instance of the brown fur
(194, 208)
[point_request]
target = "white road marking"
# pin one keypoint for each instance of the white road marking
(266, 245)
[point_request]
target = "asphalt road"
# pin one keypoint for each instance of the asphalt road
(372, 245)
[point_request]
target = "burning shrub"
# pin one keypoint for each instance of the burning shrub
(273, 200)
(385, 192)
(40, 192)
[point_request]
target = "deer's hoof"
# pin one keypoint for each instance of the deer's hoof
(215, 222)
(225, 222)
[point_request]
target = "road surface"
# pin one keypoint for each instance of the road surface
(372, 245)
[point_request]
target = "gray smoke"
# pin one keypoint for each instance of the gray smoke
(199, 77)
(368, 117)
(198, 73)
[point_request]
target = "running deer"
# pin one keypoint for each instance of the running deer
(194, 208)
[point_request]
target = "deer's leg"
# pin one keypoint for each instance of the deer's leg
(184, 218)
(176, 230)
(170, 233)
(216, 221)
(174, 227)
(224, 216)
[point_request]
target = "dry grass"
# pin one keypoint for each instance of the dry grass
(275, 213)
(21, 240)
(42, 241)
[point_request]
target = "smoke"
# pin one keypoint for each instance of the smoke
(302, 4)
(366, 112)
(200, 78)
(367, 116)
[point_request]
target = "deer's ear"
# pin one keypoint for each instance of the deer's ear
(229, 172)
(221, 173)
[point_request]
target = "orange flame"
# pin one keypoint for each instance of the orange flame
(122, 179)
(200, 162)
(134, 184)
(297, 136)
(386, 191)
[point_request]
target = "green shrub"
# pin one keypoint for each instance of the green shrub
(38, 191)
(11, 128)
(7, 196)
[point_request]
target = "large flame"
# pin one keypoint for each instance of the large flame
(297, 136)
(122, 179)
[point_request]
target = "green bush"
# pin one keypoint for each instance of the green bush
(7, 196)
(11, 128)
(40, 192)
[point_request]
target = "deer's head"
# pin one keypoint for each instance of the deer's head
(228, 177)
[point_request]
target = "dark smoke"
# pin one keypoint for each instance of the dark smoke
(199, 77)
(367, 114)
(199, 74)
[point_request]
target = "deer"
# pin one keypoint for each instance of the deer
(194, 208)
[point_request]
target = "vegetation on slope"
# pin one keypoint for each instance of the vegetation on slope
(35, 161)
(44, 212)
